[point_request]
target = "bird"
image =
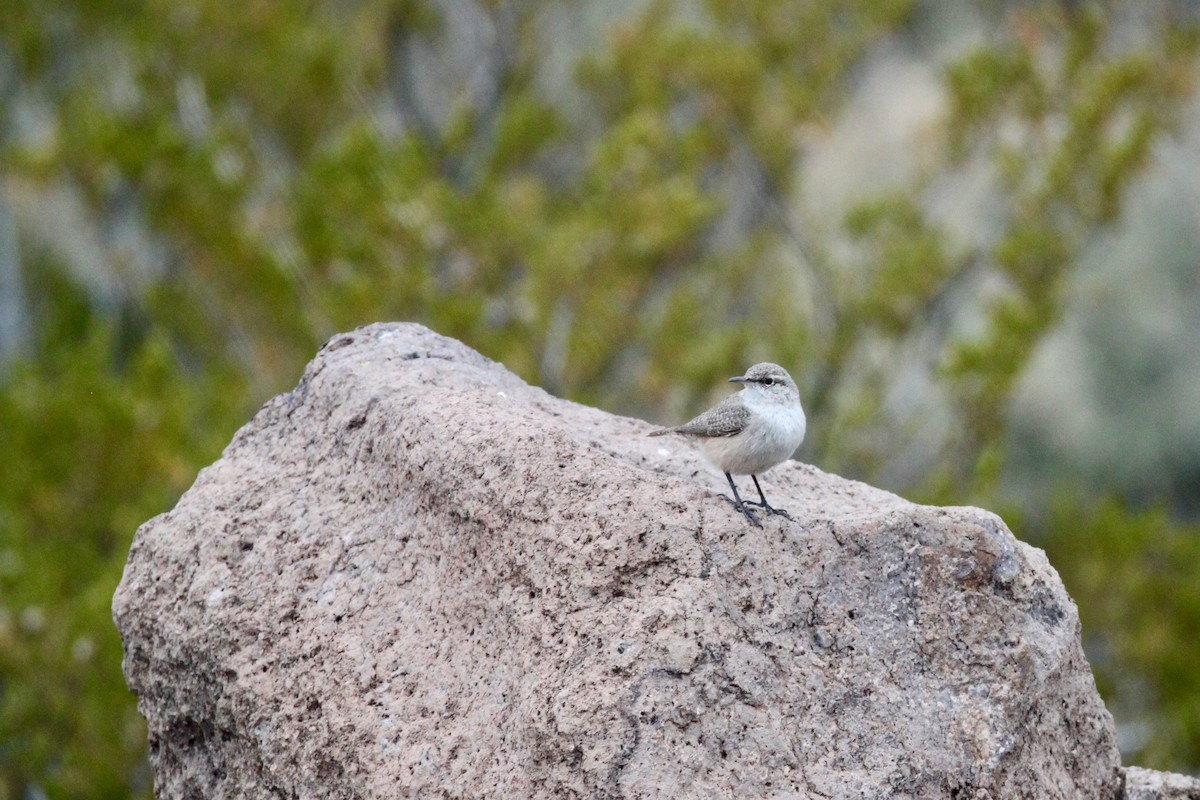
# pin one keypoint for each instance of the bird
(751, 431)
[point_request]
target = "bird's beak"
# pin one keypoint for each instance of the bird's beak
(738, 379)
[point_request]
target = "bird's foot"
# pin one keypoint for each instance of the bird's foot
(742, 508)
(779, 512)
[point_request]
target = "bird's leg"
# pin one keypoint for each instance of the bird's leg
(739, 505)
(764, 505)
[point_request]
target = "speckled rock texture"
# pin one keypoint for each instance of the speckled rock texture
(416, 576)
(1146, 784)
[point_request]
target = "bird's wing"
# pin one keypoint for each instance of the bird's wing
(726, 418)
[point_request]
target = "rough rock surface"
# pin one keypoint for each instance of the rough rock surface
(416, 576)
(1146, 784)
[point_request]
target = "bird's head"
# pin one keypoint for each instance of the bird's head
(769, 380)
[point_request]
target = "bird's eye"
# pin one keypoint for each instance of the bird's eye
(768, 381)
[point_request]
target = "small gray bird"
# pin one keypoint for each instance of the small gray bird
(749, 432)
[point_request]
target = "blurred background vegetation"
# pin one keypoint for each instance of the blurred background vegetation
(969, 229)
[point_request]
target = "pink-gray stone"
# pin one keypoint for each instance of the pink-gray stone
(1147, 784)
(416, 576)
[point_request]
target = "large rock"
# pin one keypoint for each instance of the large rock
(416, 576)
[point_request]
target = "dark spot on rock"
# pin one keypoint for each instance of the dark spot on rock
(1046, 609)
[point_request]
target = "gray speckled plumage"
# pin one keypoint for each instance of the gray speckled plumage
(726, 418)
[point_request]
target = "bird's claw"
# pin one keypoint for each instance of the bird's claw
(742, 508)
(779, 512)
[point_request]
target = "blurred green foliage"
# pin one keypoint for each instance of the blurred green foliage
(1134, 578)
(98, 436)
(628, 251)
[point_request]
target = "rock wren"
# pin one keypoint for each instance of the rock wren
(749, 432)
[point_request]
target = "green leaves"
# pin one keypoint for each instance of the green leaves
(904, 263)
(1132, 574)
(989, 83)
(101, 435)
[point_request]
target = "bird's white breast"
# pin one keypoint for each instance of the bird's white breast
(772, 434)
